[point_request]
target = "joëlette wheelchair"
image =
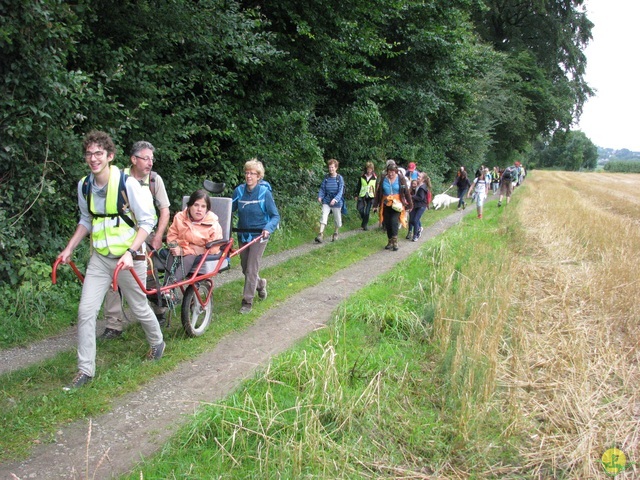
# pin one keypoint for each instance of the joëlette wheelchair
(196, 288)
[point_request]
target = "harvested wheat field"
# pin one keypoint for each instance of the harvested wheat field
(572, 366)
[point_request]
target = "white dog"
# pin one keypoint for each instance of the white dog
(442, 200)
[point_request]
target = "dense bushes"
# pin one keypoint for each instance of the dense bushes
(216, 82)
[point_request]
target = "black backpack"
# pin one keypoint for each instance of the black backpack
(509, 173)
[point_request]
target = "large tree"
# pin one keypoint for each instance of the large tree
(544, 42)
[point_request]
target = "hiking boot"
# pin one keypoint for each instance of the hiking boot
(389, 245)
(319, 238)
(156, 351)
(110, 334)
(394, 241)
(78, 381)
(246, 308)
(408, 237)
(262, 291)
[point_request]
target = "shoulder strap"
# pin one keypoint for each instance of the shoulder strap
(86, 190)
(152, 182)
(123, 201)
(86, 185)
(261, 194)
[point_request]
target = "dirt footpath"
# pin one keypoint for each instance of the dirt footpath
(141, 422)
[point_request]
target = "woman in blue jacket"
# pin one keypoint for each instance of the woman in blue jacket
(257, 217)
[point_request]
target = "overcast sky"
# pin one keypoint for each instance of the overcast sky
(611, 118)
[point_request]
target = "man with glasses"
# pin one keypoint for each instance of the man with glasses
(141, 169)
(117, 216)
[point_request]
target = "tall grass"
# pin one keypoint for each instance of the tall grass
(473, 285)
(400, 384)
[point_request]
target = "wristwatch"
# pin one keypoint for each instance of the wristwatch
(133, 253)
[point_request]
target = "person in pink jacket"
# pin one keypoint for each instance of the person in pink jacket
(189, 233)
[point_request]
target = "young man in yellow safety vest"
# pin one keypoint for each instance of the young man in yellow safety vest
(118, 217)
(141, 169)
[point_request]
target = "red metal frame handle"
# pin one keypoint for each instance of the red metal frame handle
(114, 284)
(54, 271)
(246, 245)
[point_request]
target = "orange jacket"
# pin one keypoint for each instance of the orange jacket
(193, 237)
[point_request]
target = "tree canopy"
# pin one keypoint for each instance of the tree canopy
(215, 82)
(565, 150)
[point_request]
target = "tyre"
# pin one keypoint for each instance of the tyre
(195, 318)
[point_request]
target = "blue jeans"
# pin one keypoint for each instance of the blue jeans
(461, 194)
(414, 220)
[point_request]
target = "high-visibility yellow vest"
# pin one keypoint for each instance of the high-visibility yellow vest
(367, 189)
(110, 233)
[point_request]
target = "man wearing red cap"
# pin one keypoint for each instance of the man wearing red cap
(412, 172)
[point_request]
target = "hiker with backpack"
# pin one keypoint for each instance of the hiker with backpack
(142, 159)
(495, 180)
(507, 179)
(420, 196)
(257, 217)
(366, 190)
(480, 187)
(331, 197)
(118, 215)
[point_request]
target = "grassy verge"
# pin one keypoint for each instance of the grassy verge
(402, 384)
(33, 404)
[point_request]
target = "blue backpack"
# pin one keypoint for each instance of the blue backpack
(264, 187)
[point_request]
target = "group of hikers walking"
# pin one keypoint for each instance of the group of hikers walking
(126, 214)
(401, 196)
(120, 212)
